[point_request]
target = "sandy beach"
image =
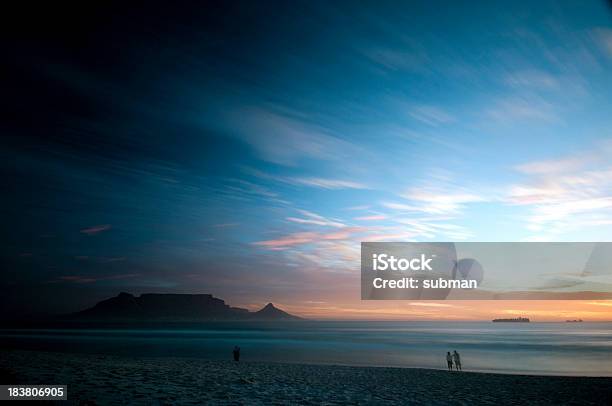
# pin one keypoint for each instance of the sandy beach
(142, 381)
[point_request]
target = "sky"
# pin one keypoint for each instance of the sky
(245, 149)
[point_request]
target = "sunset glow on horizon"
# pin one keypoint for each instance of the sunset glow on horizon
(535, 310)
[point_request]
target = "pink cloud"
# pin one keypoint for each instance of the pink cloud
(309, 238)
(342, 234)
(371, 218)
(290, 239)
(392, 237)
(96, 229)
(363, 207)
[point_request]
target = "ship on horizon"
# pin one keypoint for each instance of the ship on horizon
(514, 320)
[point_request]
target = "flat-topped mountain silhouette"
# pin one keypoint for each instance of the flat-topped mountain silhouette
(175, 307)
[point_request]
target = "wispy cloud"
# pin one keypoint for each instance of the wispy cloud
(431, 227)
(362, 207)
(430, 115)
(309, 237)
(429, 209)
(435, 201)
(409, 56)
(532, 79)
(315, 219)
(553, 166)
(373, 217)
(317, 182)
(510, 109)
(286, 139)
(96, 229)
(250, 188)
(567, 193)
(327, 183)
(290, 240)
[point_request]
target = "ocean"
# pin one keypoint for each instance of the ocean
(581, 349)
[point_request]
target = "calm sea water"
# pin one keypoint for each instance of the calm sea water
(536, 348)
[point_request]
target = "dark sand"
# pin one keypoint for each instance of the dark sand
(135, 381)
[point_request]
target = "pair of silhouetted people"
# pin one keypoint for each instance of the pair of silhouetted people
(455, 359)
(236, 353)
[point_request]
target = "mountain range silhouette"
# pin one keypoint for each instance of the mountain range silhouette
(175, 307)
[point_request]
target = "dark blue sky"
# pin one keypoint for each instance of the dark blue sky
(245, 149)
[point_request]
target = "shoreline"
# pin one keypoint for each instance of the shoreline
(464, 371)
(110, 379)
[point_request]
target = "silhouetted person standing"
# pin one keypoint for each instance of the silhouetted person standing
(236, 353)
(457, 360)
(449, 361)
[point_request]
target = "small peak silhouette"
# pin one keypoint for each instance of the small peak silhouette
(269, 311)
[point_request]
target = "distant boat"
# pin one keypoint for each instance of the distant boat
(574, 321)
(516, 320)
